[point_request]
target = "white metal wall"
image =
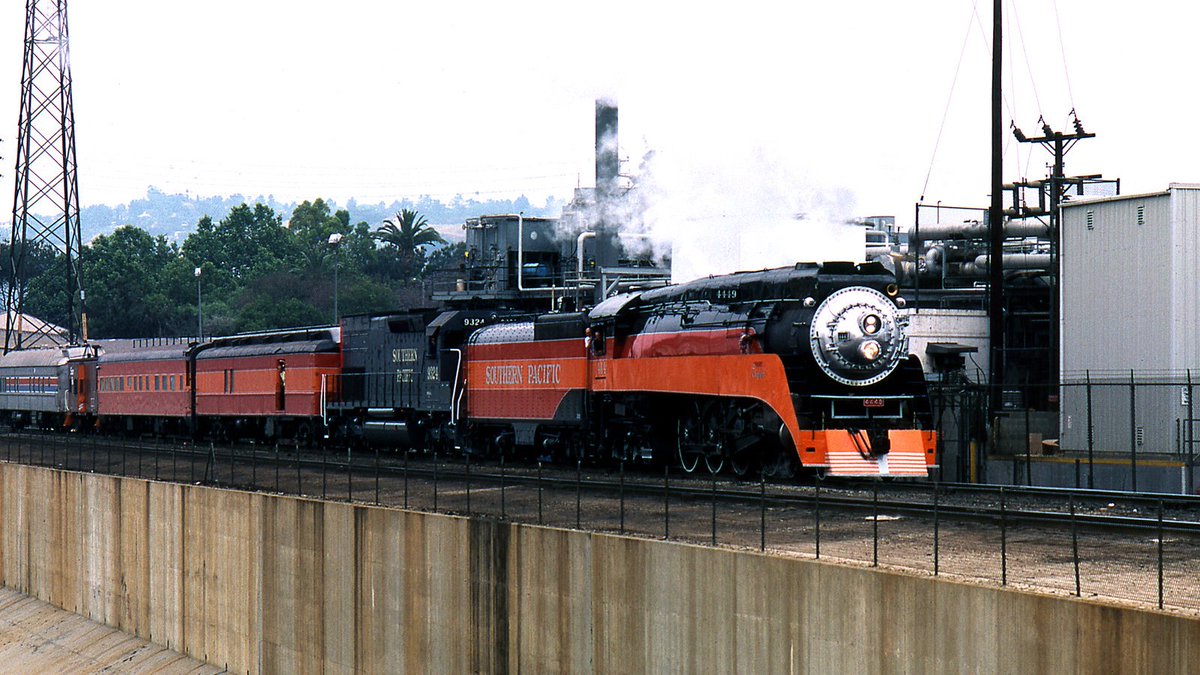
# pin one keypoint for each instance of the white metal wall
(1185, 287)
(1116, 291)
(1130, 301)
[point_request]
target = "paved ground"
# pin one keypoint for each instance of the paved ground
(38, 638)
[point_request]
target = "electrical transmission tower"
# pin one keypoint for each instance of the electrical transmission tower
(46, 202)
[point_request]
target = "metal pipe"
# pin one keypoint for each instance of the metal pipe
(521, 258)
(520, 252)
(1024, 261)
(976, 230)
(579, 248)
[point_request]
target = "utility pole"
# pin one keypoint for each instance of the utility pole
(46, 200)
(1052, 190)
(996, 222)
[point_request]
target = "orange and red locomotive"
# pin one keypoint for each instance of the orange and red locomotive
(806, 366)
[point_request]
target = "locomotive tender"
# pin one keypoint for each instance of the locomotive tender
(775, 370)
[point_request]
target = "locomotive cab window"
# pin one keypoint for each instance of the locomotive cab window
(597, 341)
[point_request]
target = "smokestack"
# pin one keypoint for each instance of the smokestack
(607, 161)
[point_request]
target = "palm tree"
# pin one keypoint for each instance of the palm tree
(312, 261)
(409, 233)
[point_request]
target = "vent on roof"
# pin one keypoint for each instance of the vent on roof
(1141, 214)
(1091, 220)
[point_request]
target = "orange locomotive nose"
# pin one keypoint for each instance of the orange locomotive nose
(911, 453)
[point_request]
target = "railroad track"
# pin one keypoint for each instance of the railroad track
(1008, 505)
(1079, 495)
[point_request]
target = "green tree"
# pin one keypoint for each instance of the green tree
(312, 224)
(45, 273)
(408, 234)
(448, 259)
(245, 244)
(136, 285)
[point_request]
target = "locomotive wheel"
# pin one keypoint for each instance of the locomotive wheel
(741, 463)
(782, 466)
(714, 457)
(744, 446)
(304, 435)
(689, 443)
(699, 437)
(218, 432)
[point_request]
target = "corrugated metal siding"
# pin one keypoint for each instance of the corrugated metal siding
(1185, 270)
(1160, 410)
(1116, 286)
(1130, 301)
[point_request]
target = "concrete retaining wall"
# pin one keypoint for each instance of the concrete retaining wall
(264, 583)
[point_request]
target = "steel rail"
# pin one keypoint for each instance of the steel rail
(685, 487)
(1171, 499)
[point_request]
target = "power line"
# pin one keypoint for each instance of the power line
(949, 98)
(1062, 48)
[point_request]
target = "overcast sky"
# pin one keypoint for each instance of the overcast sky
(797, 102)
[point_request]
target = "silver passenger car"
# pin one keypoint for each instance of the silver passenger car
(48, 388)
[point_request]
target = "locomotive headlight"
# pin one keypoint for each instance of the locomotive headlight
(870, 350)
(871, 324)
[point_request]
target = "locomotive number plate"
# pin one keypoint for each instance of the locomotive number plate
(872, 403)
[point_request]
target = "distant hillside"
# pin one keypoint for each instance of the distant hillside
(175, 215)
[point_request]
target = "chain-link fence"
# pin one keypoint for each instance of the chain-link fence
(1111, 431)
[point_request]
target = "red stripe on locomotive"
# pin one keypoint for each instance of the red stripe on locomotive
(689, 343)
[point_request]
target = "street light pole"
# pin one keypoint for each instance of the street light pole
(199, 308)
(335, 241)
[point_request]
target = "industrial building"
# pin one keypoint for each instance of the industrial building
(1129, 343)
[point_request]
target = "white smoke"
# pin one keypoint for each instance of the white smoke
(747, 211)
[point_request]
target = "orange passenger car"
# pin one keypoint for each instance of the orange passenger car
(144, 386)
(266, 385)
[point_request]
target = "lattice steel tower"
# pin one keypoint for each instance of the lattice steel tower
(46, 201)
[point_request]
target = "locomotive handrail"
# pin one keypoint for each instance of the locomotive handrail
(324, 403)
(455, 399)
